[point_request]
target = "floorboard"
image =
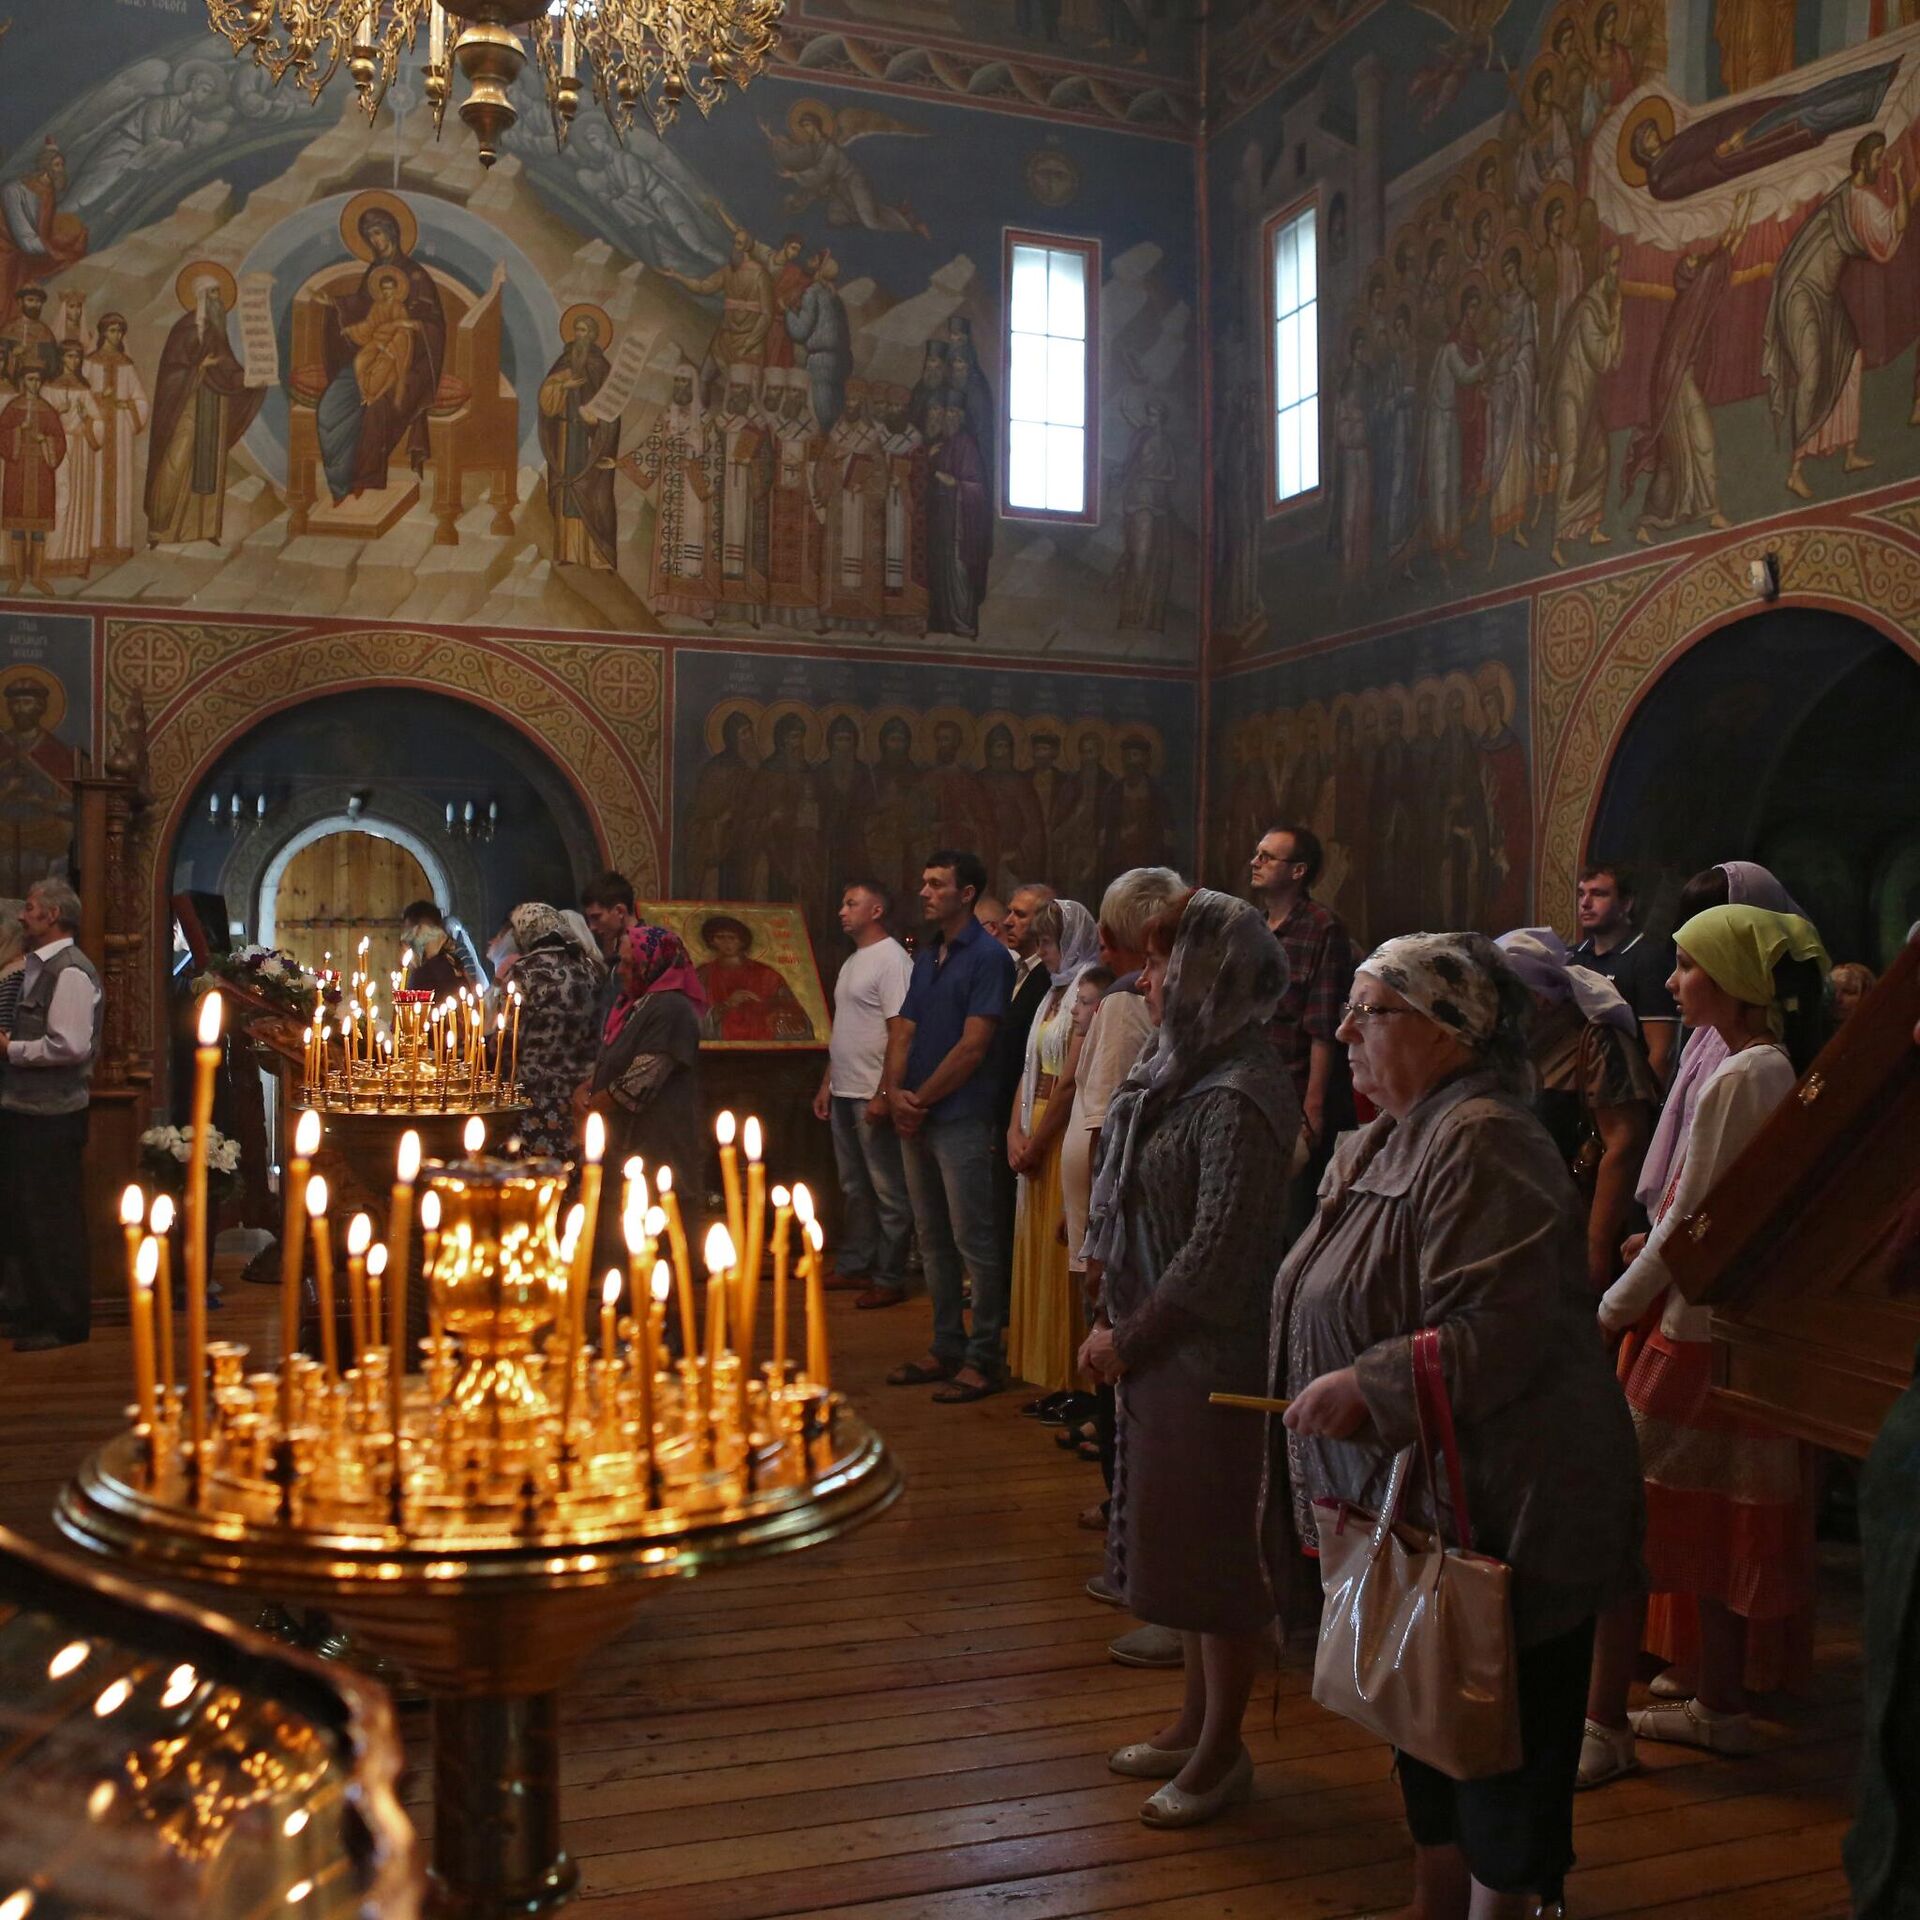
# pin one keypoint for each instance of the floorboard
(912, 1723)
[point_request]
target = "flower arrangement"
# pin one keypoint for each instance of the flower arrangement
(165, 1151)
(269, 973)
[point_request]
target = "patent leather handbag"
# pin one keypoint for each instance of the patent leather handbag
(1416, 1635)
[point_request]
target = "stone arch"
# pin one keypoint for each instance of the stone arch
(1598, 650)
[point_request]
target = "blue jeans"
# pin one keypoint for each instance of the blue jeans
(879, 1216)
(949, 1166)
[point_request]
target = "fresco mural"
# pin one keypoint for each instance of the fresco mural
(1408, 754)
(1626, 274)
(255, 355)
(1159, 34)
(794, 776)
(46, 689)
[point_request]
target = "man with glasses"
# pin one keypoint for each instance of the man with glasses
(1320, 963)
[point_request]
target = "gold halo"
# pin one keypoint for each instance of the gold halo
(967, 726)
(1014, 723)
(1102, 732)
(724, 710)
(56, 691)
(1458, 682)
(365, 203)
(1495, 677)
(1047, 723)
(1488, 150)
(1315, 712)
(809, 718)
(1473, 281)
(880, 718)
(837, 710)
(1559, 194)
(809, 109)
(1514, 240)
(1145, 730)
(586, 310)
(1548, 62)
(1473, 207)
(196, 270)
(1655, 111)
(1442, 236)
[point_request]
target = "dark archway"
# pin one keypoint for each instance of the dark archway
(1786, 738)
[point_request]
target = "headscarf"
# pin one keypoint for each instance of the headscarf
(1460, 981)
(1539, 957)
(1748, 885)
(573, 923)
(652, 960)
(533, 921)
(1225, 978)
(1739, 947)
(1079, 942)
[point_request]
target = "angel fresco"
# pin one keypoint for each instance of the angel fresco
(1470, 50)
(813, 155)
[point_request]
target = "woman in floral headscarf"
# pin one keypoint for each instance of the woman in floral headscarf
(557, 1041)
(646, 1083)
(1186, 1222)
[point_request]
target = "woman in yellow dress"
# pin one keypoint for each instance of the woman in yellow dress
(1044, 1326)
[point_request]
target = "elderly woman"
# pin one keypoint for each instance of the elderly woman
(1044, 1325)
(558, 985)
(1453, 1210)
(646, 1082)
(1729, 1520)
(1187, 1220)
(1593, 1087)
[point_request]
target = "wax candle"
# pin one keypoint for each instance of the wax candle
(609, 1301)
(719, 1255)
(306, 1142)
(160, 1225)
(146, 1265)
(513, 1070)
(399, 1237)
(429, 1253)
(782, 1227)
(323, 1274)
(359, 1239)
(633, 1186)
(633, 1228)
(750, 1140)
(473, 1136)
(682, 1263)
(206, 1062)
(816, 1310)
(724, 1129)
(647, 1364)
(376, 1289)
(593, 1151)
(133, 1213)
(437, 36)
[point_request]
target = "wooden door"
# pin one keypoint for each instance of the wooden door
(349, 885)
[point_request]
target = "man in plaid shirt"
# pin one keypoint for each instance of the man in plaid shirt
(1320, 963)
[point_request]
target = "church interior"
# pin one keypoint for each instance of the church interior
(616, 515)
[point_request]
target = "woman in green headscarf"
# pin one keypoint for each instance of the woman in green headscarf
(1728, 1520)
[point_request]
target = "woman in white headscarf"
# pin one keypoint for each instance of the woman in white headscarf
(1186, 1225)
(1044, 1324)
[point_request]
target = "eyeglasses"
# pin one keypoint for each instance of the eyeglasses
(1361, 1011)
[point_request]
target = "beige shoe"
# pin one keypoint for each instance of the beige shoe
(1670, 1684)
(1173, 1807)
(1605, 1754)
(1144, 1761)
(1686, 1723)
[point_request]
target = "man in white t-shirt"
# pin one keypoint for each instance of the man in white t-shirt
(873, 1182)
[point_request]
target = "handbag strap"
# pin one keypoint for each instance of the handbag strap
(1434, 1413)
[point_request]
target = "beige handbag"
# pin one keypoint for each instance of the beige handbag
(1416, 1637)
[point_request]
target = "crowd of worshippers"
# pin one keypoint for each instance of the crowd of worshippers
(1191, 1143)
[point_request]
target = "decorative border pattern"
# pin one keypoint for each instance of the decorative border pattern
(1261, 53)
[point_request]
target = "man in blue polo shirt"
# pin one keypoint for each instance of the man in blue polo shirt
(941, 1100)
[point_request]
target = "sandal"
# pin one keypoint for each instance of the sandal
(1070, 1439)
(1089, 1450)
(916, 1373)
(958, 1393)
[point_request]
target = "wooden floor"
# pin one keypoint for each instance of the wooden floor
(912, 1723)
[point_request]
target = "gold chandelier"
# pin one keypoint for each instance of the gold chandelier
(640, 55)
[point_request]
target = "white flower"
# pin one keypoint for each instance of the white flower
(271, 969)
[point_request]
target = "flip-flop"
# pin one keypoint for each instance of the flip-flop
(957, 1393)
(916, 1373)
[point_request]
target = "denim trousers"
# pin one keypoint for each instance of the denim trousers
(949, 1167)
(873, 1184)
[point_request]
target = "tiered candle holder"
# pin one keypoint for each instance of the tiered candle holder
(490, 1520)
(432, 1057)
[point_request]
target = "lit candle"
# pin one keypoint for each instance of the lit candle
(206, 1062)
(376, 1286)
(429, 1252)
(473, 1136)
(160, 1225)
(133, 1211)
(647, 1364)
(593, 1148)
(609, 1300)
(682, 1262)
(633, 1186)
(306, 1142)
(359, 1239)
(816, 1310)
(323, 1274)
(782, 1226)
(724, 1130)
(750, 1139)
(633, 1227)
(399, 1235)
(146, 1264)
(719, 1252)
(513, 1070)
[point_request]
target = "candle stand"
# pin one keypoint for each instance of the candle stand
(491, 1521)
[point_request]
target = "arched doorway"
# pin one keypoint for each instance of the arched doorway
(1785, 738)
(338, 883)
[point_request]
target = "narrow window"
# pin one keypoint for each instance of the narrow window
(1052, 369)
(1293, 367)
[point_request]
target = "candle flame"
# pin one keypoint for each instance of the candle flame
(133, 1207)
(663, 1181)
(306, 1136)
(409, 1162)
(656, 1222)
(719, 1249)
(633, 1225)
(316, 1197)
(662, 1284)
(377, 1258)
(160, 1220)
(474, 1135)
(594, 1140)
(359, 1235)
(724, 1127)
(610, 1287)
(750, 1137)
(803, 1203)
(782, 1198)
(816, 1235)
(406, 959)
(430, 1212)
(209, 1028)
(146, 1263)
(575, 1225)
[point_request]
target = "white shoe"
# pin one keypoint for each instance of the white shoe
(1144, 1761)
(1605, 1754)
(1686, 1723)
(1670, 1684)
(1172, 1807)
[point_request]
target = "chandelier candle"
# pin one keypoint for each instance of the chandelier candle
(782, 1227)
(306, 1143)
(206, 1063)
(593, 1152)
(399, 1239)
(376, 1286)
(724, 1130)
(146, 1264)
